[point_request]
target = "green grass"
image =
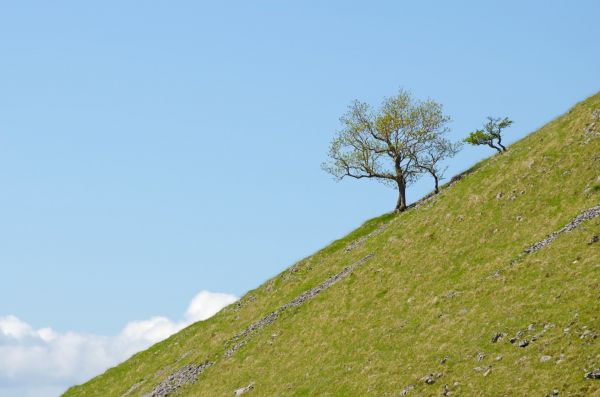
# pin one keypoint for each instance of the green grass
(445, 278)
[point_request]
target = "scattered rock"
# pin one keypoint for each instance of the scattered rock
(519, 218)
(531, 327)
(499, 358)
(499, 195)
(595, 238)
(517, 336)
(524, 343)
(431, 378)
(553, 393)
(584, 216)
(270, 285)
(498, 336)
(443, 360)
(588, 334)
(244, 302)
(520, 333)
(488, 371)
(543, 359)
(244, 389)
(594, 374)
(406, 390)
(445, 390)
(480, 356)
(548, 326)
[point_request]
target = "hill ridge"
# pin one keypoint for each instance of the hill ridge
(451, 302)
(190, 372)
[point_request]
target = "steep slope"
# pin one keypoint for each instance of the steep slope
(442, 299)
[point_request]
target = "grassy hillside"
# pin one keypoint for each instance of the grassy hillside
(444, 280)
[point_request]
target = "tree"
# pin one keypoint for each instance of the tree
(435, 151)
(491, 134)
(386, 145)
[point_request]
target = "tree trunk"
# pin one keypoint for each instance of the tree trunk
(501, 145)
(401, 203)
(437, 183)
(495, 147)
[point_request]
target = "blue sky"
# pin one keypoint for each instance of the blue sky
(151, 150)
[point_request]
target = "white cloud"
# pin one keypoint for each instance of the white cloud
(206, 304)
(43, 363)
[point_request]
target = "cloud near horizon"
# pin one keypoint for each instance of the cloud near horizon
(43, 363)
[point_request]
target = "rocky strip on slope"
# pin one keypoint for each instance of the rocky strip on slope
(190, 373)
(187, 374)
(584, 216)
(242, 337)
(360, 241)
(592, 129)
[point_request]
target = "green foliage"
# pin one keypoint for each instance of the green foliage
(478, 137)
(491, 134)
(444, 279)
(393, 145)
(437, 150)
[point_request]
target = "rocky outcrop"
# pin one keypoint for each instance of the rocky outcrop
(241, 338)
(362, 240)
(243, 390)
(190, 373)
(584, 216)
(184, 375)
